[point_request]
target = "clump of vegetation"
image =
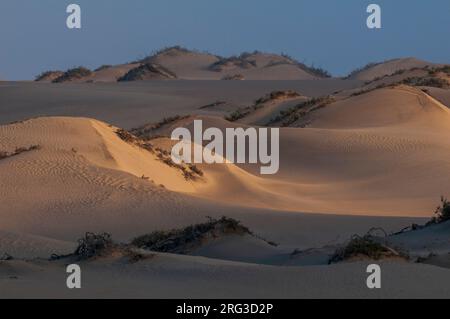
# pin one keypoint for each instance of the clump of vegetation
(295, 113)
(194, 168)
(427, 81)
(364, 246)
(364, 91)
(217, 103)
(277, 95)
(442, 212)
(126, 136)
(48, 76)
(147, 71)
(169, 51)
(181, 241)
(444, 69)
(94, 245)
(237, 114)
(146, 130)
(365, 68)
(73, 74)
(233, 77)
(103, 67)
(190, 172)
(242, 61)
(316, 71)
(18, 151)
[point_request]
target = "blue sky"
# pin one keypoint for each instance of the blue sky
(328, 33)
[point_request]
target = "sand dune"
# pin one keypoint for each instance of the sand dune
(84, 177)
(379, 139)
(186, 64)
(398, 106)
(377, 70)
(112, 73)
(356, 151)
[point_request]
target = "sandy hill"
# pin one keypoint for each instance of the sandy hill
(49, 76)
(265, 66)
(392, 106)
(377, 70)
(106, 73)
(391, 135)
(180, 63)
(186, 64)
(148, 71)
(112, 73)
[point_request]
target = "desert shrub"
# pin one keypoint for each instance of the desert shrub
(364, 91)
(194, 168)
(180, 240)
(167, 120)
(444, 69)
(47, 74)
(293, 114)
(169, 51)
(442, 212)
(427, 81)
(277, 95)
(146, 131)
(93, 245)
(125, 135)
(242, 61)
(71, 74)
(365, 246)
(364, 68)
(399, 72)
(143, 71)
(233, 77)
(217, 103)
(317, 71)
(237, 115)
(190, 172)
(103, 67)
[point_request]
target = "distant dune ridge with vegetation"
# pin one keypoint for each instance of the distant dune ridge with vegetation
(181, 63)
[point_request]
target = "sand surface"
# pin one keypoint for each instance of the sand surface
(379, 159)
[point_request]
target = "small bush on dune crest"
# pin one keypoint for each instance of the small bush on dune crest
(47, 74)
(103, 67)
(147, 71)
(75, 73)
(442, 212)
(190, 172)
(237, 115)
(364, 246)
(180, 240)
(93, 245)
(427, 81)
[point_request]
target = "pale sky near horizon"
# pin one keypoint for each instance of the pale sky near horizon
(330, 34)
